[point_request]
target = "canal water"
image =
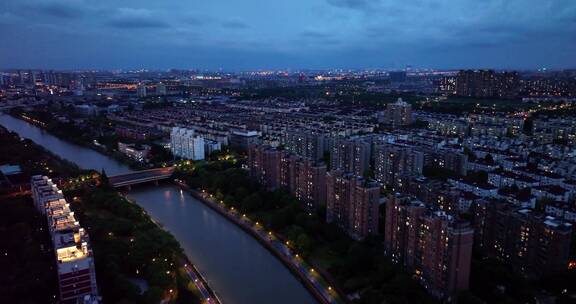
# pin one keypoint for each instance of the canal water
(235, 265)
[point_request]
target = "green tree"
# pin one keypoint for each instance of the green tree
(104, 182)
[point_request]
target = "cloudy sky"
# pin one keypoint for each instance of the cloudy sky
(262, 34)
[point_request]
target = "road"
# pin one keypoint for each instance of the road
(199, 283)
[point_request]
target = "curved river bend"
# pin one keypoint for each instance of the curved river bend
(235, 265)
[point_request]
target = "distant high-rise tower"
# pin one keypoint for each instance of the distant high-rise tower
(160, 89)
(141, 90)
(21, 77)
(397, 114)
(397, 76)
(32, 78)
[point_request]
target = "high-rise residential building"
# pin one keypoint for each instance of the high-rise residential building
(471, 83)
(310, 183)
(397, 76)
(184, 143)
(278, 169)
(288, 171)
(533, 244)
(75, 262)
(393, 161)
(161, 89)
(432, 245)
(397, 114)
(447, 85)
(141, 90)
(49, 78)
(350, 156)
(352, 203)
(264, 164)
(449, 159)
(508, 84)
(487, 83)
(307, 144)
(21, 77)
(32, 78)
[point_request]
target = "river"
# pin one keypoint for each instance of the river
(235, 265)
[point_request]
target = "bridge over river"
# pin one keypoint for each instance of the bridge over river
(139, 177)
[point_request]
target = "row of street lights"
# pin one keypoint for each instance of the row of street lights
(312, 273)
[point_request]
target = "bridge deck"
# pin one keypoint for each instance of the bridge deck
(140, 176)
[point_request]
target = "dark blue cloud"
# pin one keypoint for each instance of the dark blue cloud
(137, 23)
(60, 10)
(235, 24)
(298, 33)
(353, 4)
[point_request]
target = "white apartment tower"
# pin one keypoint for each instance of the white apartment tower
(74, 259)
(185, 144)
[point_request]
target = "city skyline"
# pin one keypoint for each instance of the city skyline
(77, 34)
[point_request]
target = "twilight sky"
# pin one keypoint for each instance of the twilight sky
(261, 34)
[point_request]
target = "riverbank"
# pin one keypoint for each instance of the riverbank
(74, 135)
(196, 277)
(129, 246)
(309, 277)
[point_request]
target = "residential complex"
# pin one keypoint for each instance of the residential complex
(280, 169)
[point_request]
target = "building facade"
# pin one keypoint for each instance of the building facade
(279, 169)
(432, 245)
(397, 114)
(394, 161)
(533, 244)
(184, 143)
(350, 155)
(305, 143)
(352, 203)
(74, 259)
